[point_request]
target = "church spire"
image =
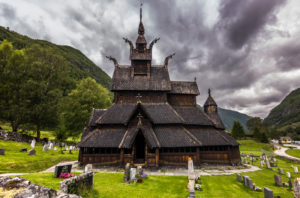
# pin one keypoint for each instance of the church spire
(141, 29)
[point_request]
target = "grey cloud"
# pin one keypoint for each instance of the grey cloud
(7, 11)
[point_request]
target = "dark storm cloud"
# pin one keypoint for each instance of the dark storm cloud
(7, 11)
(243, 19)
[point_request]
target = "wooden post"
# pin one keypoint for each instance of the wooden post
(198, 155)
(156, 157)
(80, 156)
(146, 156)
(132, 155)
(122, 157)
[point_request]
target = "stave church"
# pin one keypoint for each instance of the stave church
(154, 121)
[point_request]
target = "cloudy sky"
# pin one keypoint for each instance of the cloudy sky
(247, 52)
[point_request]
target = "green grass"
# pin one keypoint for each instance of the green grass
(250, 146)
(293, 152)
(16, 162)
(111, 185)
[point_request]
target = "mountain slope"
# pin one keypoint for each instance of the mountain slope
(81, 66)
(287, 112)
(229, 116)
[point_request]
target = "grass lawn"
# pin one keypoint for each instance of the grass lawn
(250, 146)
(16, 162)
(293, 152)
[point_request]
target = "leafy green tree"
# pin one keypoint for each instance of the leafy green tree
(12, 77)
(46, 77)
(237, 130)
(256, 134)
(77, 106)
(253, 123)
(264, 138)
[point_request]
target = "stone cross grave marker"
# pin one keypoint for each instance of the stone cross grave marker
(127, 173)
(88, 168)
(268, 193)
(60, 169)
(296, 169)
(280, 171)
(2, 151)
(33, 142)
(288, 174)
(31, 152)
(132, 173)
(278, 180)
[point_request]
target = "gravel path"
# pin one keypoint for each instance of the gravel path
(280, 151)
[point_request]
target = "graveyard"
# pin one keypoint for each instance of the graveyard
(107, 184)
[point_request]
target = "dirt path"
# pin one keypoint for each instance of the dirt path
(280, 151)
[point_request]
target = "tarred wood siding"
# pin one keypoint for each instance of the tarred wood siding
(125, 97)
(182, 100)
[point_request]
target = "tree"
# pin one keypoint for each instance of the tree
(256, 134)
(13, 73)
(77, 106)
(46, 76)
(253, 123)
(264, 138)
(237, 130)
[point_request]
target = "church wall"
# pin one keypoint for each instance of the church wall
(125, 97)
(182, 100)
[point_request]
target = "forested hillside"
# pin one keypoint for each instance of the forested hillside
(287, 112)
(80, 66)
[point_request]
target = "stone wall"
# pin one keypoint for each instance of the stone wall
(74, 184)
(13, 136)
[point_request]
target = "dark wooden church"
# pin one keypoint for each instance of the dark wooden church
(154, 121)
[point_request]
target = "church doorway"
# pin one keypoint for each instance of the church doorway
(140, 145)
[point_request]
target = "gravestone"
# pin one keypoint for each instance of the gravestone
(50, 146)
(127, 173)
(296, 169)
(67, 148)
(88, 168)
(70, 151)
(268, 192)
(288, 174)
(245, 180)
(31, 152)
(60, 169)
(23, 150)
(261, 163)
(280, 171)
(239, 177)
(2, 151)
(278, 180)
(132, 173)
(55, 148)
(33, 142)
(191, 172)
(267, 163)
(45, 148)
(250, 183)
(297, 187)
(290, 183)
(140, 170)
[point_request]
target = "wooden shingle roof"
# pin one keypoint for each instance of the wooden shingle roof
(193, 116)
(122, 79)
(96, 114)
(182, 87)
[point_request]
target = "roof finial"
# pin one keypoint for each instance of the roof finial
(209, 91)
(141, 12)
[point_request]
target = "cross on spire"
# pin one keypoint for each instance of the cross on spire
(141, 12)
(209, 91)
(138, 98)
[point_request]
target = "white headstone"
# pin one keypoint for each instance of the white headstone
(33, 142)
(288, 174)
(261, 163)
(55, 148)
(45, 148)
(71, 147)
(132, 173)
(88, 168)
(67, 147)
(191, 172)
(50, 146)
(296, 169)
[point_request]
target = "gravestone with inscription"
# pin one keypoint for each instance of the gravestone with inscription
(280, 171)
(60, 169)
(33, 142)
(278, 180)
(2, 151)
(268, 193)
(296, 169)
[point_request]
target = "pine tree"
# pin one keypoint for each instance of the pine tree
(237, 130)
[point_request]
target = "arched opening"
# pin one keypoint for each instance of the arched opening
(140, 145)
